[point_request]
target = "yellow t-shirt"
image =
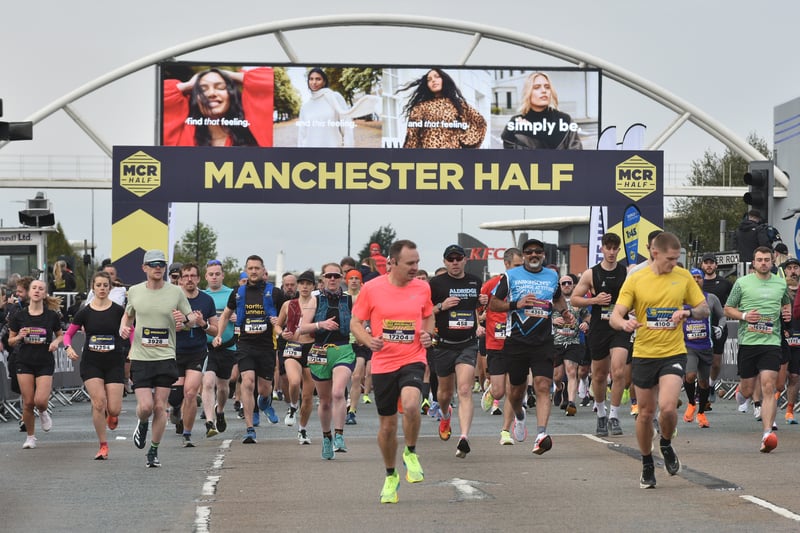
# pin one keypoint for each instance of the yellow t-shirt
(653, 298)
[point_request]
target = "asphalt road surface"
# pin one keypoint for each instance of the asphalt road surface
(583, 484)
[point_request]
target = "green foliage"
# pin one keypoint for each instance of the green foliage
(358, 81)
(699, 217)
(286, 99)
(58, 245)
(187, 250)
(384, 236)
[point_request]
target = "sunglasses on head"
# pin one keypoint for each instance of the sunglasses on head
(332, 275)
(531, 251)
(157, 264)
(453, 258)
(212, 262)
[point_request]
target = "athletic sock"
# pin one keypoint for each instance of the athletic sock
(691, 390)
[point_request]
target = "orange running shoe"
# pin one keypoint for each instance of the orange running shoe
(702, 421)
(444, 425)
(688, 416)
(112, 422)
(102, 454)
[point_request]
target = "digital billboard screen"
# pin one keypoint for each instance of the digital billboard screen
(341, 106)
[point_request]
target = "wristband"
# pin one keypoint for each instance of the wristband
(205, 328)
(744, 316)
(512, 305)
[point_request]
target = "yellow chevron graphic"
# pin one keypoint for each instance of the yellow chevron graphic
(138, 230)
(645, 227)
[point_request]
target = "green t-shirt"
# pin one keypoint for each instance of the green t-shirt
(765, 296)
(154, 338)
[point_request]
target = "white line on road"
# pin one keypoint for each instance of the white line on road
(772, 507)
(203, 512)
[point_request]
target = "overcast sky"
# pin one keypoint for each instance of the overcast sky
(733, 59)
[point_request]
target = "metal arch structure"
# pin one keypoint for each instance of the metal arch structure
(685, 111)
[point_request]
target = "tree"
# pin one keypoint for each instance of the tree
(188, 251)
(385, 236)
(698, 217)
(286, 99)
(58, 246)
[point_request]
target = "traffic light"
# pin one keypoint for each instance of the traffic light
(15, 131)
(761, 184)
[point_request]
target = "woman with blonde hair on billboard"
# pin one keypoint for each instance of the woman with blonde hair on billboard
(325, 120)
(439, 115)
(540, 125)
(210, 110)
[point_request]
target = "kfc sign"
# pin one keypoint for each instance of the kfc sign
(482, 254)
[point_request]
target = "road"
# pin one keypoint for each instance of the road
(583, 483)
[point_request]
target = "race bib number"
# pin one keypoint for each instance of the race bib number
(101, 343)
(696, 331)
(318, 355)
(293, 350)
(660, 318)
(566, 331)
(500, 331)
(155, 337)
(36, 336)
(401, 331)
(793, 340)
(762, 326)
(461, 320)
(605, 312)
(254, 326)
(539, 309)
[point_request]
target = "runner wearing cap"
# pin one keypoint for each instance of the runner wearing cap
(720, 287)
(791, 342)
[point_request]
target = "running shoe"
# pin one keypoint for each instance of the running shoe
(571, 409)
(564, 401)
(769, 443)
(463, 447)
(476, 387)
(790, 417)
(30, 443)
(249, 436)
(616, 429)
(688, 416)
(46, 420)
(351, 419)
(444, 425)
(179, 427)
(602, 426)
(222, 425)
(414, 472)
(175, 415)
(542, 443)
(634, 409)
(425, 406)
(152, 459)
(140, 435)
(626, 396)
(389, 491)
(487, 400)
(520, 431)
(102, 454)
(671, 463)
(744, 404)
(256, 418)
(435, 411)
(271, 416)
(505, 438)
(757, 413)
(656, 427)
(366, 399)
(648, 479)
(112, 422)
(338, 443)
(496, 408)
(587, 400)
(237, 405)
(327, 448)
(211, 431)
(187, 440)
(531, 401)
(557, 395)
(290, 417)
(302, 437)
(702, 421)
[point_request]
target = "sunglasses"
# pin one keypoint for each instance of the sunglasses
(531, 251)
(454, 258)
(566, 283)
(157, 264)
(332, 275)
(213, 262)
(175, 276)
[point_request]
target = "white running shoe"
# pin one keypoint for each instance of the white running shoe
(30, 443)
(46, 420)
(520, 431)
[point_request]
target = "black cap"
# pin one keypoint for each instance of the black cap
(781, 248)
(790, 261)
(453, 249)
(530, 242)
(307, 276)
(709, 257)
(175, 267)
